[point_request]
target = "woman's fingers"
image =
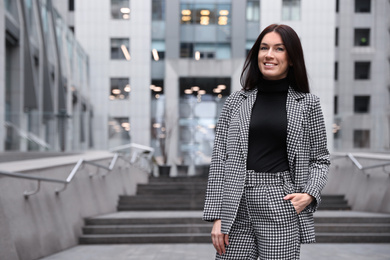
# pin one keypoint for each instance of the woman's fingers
(219, 239)
(299, 200)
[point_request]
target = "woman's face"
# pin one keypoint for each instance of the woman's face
(273, 59)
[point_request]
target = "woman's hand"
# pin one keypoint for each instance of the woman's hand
(299, 200)
(219, 239)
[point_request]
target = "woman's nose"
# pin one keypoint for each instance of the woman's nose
(269, 53)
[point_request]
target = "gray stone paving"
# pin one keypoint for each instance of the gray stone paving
(205, 251)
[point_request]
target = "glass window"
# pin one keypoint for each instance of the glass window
(205, 14)
(248, 46)
(336, 71)
(120, 49)
(253, 10)
(71, 5)
(119, 88)
(159, 120)
(291, 10)
(361, 138)
(362, 37)
(362, 6)
(336, 105)
(362, 104)
(158, 50)
(337, 6)
(158, 10)
(337, 37)
(362, 70)
(199, 51)
(118, 131)
(120, 9)
(201, 101)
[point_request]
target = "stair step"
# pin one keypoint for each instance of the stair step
(146, 238)
(148, 229)
(353, 237)
(178, 179)
(159, 207)
(143, 221)
(350, 220)
(352, 228)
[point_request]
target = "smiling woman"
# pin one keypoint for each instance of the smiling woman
(270, 157)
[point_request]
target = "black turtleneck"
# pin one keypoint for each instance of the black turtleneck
(267, 149)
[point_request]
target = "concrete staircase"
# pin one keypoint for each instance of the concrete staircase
(169, 211)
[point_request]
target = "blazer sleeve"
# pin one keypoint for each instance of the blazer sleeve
(214, 192)
(319, 160)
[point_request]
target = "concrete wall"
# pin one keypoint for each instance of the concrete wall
(46, 223)
(364, 193)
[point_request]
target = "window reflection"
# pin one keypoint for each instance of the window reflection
(120, 49)
(120, 9)
(201, 101)
(120, 88)
(205, 14)
(291, 10)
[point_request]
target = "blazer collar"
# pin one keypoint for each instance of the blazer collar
(245, 118)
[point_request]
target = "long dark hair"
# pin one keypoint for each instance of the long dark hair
(297, 76)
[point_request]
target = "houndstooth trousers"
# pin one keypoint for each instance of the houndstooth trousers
(266, 225)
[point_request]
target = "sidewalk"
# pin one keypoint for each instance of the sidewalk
(206, 251)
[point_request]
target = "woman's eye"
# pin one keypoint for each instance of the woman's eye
(263, 48)
(280, 49)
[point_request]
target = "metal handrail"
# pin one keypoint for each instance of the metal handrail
(358, 165)
(149, 151)
(140, 155)
(65, 182)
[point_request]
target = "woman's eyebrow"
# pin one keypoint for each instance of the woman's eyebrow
(278, 44)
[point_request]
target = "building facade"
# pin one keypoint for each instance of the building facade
(362, 76)
(44, 81)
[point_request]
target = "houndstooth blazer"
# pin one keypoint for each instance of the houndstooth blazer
(307, 153)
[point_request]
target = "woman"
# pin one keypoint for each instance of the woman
(270, 159)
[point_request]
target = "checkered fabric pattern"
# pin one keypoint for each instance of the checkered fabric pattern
(266, 226)
(306, 149)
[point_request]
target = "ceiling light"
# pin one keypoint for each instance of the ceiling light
(127, 88)
(202, 92)
(217, 90)
(125, 52)
(204, 20)
(155, 55)
(157, 89)
(204, 12)
(186, 18)
(221, 87)
(126, 16)
(197, 55)
(116, 91)
(125, 10)
(222, 20)
(224, 12)
(195, 88)
(188, 91)
(186, 12)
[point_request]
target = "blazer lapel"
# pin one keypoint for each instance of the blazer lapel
(245, 118)
(294, 124)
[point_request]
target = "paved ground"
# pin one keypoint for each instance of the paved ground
(205, 251)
